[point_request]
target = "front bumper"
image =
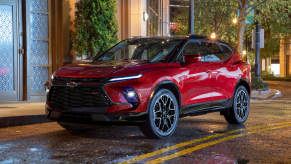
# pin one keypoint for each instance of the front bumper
(93, 117)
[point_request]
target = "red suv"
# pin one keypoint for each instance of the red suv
(151, 82)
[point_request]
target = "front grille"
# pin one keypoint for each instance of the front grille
(70, 79)
(79, 96)
(75, 116)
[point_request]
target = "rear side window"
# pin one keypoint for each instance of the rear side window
(213, 52)
(227, 50)
(192, 48)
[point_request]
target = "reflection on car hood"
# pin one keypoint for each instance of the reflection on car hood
(97, 69)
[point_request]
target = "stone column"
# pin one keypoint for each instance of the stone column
(289, 57)
(268, 65)
(166, 17)
(284, 50)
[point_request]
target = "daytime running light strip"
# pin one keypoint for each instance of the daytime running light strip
(126, 78)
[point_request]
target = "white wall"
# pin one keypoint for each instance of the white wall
(275, 69)
(143, 23)
(137, 25)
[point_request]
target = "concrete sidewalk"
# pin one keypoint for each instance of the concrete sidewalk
(22, 113)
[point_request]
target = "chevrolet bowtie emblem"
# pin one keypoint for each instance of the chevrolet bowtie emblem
(72, 84)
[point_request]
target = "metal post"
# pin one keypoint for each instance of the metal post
(257, 61)
(191, 17)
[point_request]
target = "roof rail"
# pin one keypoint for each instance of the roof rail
(198, 36)
(138, 36)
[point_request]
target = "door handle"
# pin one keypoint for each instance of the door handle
(207, 70)
(231, 66)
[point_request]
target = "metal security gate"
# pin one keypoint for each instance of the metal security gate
(39, 56)
(8, 51)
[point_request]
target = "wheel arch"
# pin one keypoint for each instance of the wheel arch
(243, 82)
(170, 85)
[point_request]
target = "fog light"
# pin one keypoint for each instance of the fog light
(131, 97)
(130, 94)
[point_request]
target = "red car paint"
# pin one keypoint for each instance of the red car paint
(197, 82)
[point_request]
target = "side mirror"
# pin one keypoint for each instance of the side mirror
(192, 58)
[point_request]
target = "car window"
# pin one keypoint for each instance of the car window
(213, 52)
(227, 51)
(146, 49)
(192, 48)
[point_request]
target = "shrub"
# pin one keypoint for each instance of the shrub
(96, 27)
(277, 79)
(266, 74)
(257, 83)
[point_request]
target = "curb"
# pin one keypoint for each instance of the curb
(261, 92)
(278, 94)
(23, 120)
(273, 94)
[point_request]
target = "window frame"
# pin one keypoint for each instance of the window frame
(225, 51)
(181, 51)
(202, 40)
(218, 44)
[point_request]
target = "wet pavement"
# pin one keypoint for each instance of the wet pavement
(264, 138)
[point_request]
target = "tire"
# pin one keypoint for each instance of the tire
(162, 117)
(238, 115)
(73, 128)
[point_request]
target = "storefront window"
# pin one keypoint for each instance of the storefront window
(155, 20)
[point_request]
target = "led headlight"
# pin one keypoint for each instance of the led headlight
(123, 78)
(53, 77)
(131, 97)
(47, 90)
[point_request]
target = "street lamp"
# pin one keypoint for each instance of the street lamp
(244, 52)
(213, 35)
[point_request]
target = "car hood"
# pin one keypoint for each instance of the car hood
(97, 69)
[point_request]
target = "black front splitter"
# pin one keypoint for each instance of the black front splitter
(93, 120)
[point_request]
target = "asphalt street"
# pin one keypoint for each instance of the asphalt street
(264, 138)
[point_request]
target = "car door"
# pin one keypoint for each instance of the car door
(196, 89)
(220, 66)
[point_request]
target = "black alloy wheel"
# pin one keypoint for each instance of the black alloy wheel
(163, 115)
(239, 112)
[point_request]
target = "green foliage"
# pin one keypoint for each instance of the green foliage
(257, 83)
(277, 78)
(213, 16)
(217, 15)
(266, 74)
(276, 20)
(251, 59)
(96, 27)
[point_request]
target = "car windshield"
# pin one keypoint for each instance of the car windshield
(146, 49)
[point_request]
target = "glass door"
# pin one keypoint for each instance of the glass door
(39, 46)
(8, 51)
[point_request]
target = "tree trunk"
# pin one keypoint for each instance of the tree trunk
(240, 36)
(241, 26)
